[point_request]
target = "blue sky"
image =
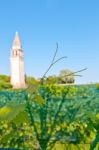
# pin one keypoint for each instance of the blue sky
(74, 24)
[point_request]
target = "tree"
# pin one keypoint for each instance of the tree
(5, 82)
(30, 80)
(66, 76)
(51, 80)
(4, 78)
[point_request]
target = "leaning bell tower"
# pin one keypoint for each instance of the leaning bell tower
(17, 64)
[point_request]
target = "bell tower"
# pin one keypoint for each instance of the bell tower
(17, 64)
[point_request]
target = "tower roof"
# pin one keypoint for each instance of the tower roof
(16, 42)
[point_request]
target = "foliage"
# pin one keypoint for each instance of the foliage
(4, 85)
(56, 115)
(52, 80)
(30, 80)
(97, 85)
(16, 136)
(5, 78)
(5, 82)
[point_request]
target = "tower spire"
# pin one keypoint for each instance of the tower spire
(16, 42)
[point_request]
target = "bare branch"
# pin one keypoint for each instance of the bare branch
(55, 53)
(74, 73)
(53, 61)
(52, 65)
(59, 59)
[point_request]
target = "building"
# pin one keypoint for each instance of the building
(17, 64)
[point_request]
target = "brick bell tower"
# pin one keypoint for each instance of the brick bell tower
(17, 64)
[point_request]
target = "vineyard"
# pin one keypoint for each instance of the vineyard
(50, 117)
